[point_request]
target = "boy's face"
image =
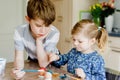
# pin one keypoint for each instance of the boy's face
(38, 28)
(82, 43)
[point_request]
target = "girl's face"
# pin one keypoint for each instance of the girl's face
(82, 43)
(38, 28)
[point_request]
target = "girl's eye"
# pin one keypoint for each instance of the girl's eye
(74, 40)
(77, 41)
(80, 41)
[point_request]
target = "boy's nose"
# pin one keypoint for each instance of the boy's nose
(42, 29)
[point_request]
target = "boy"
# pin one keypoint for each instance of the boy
(38, 37)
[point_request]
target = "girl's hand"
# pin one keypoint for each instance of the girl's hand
(53, 57)
(80, 73)
(17, 74)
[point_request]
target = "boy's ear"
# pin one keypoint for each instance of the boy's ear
(27, 19)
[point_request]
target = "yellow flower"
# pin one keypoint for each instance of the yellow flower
(96, 10)
(94, 7)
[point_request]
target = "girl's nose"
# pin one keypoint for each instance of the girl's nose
(75, 43)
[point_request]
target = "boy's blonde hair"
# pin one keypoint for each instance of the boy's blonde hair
(42, 9)
(91, 30)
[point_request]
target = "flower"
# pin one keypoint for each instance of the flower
(96, 10)
(101, 10)
(107, 8)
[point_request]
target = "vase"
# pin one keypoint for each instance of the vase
(109, 23)
(97, 20)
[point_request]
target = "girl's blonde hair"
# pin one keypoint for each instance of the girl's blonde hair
(91, 30)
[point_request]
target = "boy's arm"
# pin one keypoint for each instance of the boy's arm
(18, 65)
(41, 54)
(19, 60)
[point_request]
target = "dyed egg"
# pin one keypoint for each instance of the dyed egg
(48, 76)
(42, 71)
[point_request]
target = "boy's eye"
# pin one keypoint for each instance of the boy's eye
(39, 25)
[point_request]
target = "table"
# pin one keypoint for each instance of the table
(34, 75)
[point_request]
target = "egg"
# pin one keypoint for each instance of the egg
(48, 76)
(42, 71)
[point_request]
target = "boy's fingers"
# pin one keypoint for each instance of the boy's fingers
(17, 74)
(20, 74)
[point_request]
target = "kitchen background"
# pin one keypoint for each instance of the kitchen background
(12, 14)
(14, 11)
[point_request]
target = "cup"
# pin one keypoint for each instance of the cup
(2, 66)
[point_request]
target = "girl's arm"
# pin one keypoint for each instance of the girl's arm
(59, 59)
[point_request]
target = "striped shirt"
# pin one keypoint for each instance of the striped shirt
(23, 40)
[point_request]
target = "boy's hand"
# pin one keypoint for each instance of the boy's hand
(17, 74)
(80, 73)
(41, 37)
(53, 57)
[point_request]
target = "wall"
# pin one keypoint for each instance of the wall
(117, 15)
(80, 5)
(10, 16)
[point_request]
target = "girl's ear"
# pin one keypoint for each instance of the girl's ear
(92, 41)
(27, 19)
